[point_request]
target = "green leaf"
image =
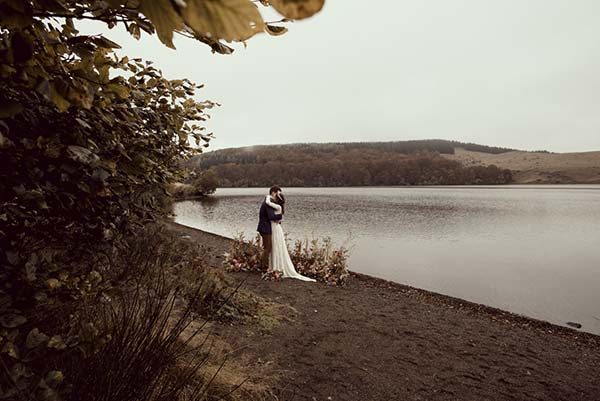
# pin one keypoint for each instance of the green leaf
(120, 90)
(58, 99)
(56, 342)
(17, 371)
(164, 17)
(35, 338)
(9, 108)
(100, 174)
(82, 155)
(230, 20)
(12, 320)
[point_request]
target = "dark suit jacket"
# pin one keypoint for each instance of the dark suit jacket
(265, 216)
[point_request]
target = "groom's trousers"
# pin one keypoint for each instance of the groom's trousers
(267, 245)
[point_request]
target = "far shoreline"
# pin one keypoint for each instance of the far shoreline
(482, 186)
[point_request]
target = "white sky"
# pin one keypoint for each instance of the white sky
(514, 73)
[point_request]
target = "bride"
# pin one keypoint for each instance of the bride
(280, 258)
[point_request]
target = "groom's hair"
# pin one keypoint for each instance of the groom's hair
(274, 188)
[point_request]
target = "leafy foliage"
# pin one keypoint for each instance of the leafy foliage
(318, 259)
(89, 142)
(197, 185)
(205, 183)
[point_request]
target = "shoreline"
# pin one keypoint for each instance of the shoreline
(375, 340)
(447, 300)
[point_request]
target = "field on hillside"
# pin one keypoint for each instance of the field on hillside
(538, 167)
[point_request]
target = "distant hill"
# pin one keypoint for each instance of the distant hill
(423, 162)
(253, 154)
(537, 167)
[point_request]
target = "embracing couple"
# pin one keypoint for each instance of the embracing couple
(275, 253)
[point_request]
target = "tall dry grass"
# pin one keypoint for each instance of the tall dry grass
(143, 335)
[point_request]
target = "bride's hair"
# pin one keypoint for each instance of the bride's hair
(280, 200)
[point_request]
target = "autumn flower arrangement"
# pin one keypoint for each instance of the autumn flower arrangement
(318, 259)
(321, 260)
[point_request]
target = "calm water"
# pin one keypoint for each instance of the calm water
(533, 250)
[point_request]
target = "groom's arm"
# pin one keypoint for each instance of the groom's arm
(272, 216)
(271, 210)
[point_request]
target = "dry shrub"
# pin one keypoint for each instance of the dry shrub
(192, 267)
(143, 347)
(318, 259)
(122, 333)
(244, 255)
(322, 260)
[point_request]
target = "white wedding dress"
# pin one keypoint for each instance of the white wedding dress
(280, 258)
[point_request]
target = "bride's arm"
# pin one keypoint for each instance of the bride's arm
(274, 210)
(273, 205)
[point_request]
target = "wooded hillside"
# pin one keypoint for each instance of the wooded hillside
(350, 164)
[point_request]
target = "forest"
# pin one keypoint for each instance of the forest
(349, 164)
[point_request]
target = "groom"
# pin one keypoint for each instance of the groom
(265, 216)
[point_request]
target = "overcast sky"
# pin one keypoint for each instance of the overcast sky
(514, 73)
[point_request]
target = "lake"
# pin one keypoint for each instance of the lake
(532, 250)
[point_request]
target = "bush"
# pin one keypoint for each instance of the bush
(206, 183)
(118, 333)
(89, 142)
(200, 185)
(318, 259)
(321, 260)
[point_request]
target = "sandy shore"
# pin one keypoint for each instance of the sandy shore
(378, 340)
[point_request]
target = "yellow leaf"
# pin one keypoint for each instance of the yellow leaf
(230, 20)
(54, 377)
(120, 90)
(164, 17)
(11, 350)
(52, 283)
(297, 9)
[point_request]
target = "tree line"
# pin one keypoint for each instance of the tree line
(368, 164)
(300, 151)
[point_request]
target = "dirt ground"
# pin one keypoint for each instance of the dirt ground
(377, 340)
